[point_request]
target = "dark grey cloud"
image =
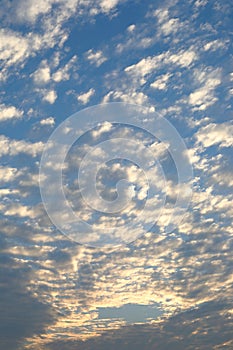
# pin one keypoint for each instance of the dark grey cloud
(207, 327)
(22, 315)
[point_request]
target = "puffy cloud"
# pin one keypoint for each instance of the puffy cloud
(63, 73)
(204, 96)
(223, 179)
(96, 57)
(146, 66)
(86, 96)
(14, 48)
(105, 127)
(200, 3)
(215, 134)
(42, 75)
(161, 82)
(171, 26)
(18, 210)
(162, 14)
(9, 112)
(8, 174)
(201, 99)
(184, 58)
(131, 28)
(49, 96)
(13, 147)
(28, 10)
(108, 5)
(7, 191)
(214, 45)
(48, 121)
(128, 97)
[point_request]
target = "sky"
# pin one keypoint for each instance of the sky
(138, 95)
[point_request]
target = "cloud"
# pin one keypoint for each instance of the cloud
(162, 14)
(105, 127)
(23, 315)
(9, 113)
(108, 5)
(223, 178)
(161, 82)
(184, 270)
(13, 147)
(170, 27)
(18, 210)
(200, 3)
(85, 97)
(96, 57)
(128, 97)
(48, 121)
(214, 45)
(148, 65)
(28, 10)
(49, 96)
(215, 134)
(63, 73)
(14, 48)
(7, 191)
(185, 330)
(8, 173)
(204, 96)
(183, 58)
(131, 28)
(42, 75)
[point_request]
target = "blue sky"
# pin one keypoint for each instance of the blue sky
(172, 57)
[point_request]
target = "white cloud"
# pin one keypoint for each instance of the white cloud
(170, 26)
(166, 25)
(183, 58)
(214, 45)
(97, 58)
(200, 3)
(161, 82)
(48, 121)
(129, 97)
(146, 66)
(6, 191)
(215, 134)
(18, 210)
(131, 28)
(13, 47)
(42, 75)
(29, 10)
(201, 99)
(108, 5)
(49, 96)
(13, 147)
(204, 97)
(105, 127)
(8, 174)
(64, 73)
(9, 112)
(16, 47)
(223, 178)
(85, 97)
(161, 14)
